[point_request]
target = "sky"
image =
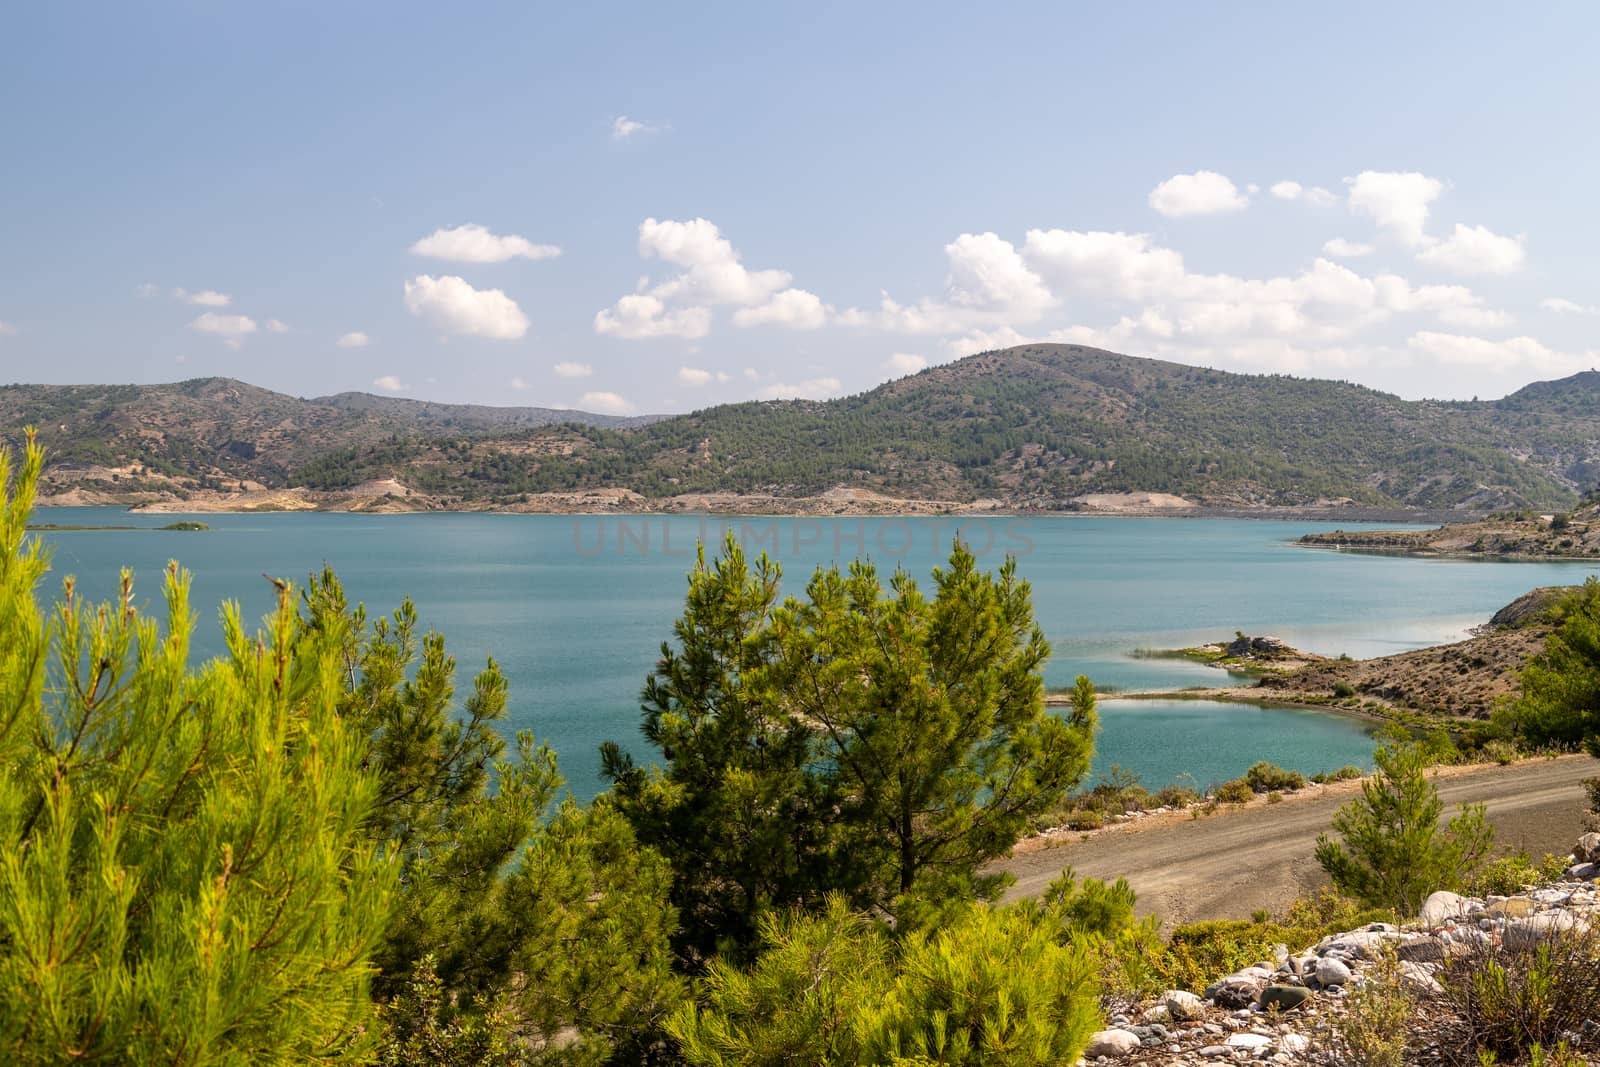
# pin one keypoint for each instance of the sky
(656, 208)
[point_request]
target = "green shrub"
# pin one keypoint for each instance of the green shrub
(1179, 796)
(1504, 1001)
(1373, 1028)
(1349, 772)
(1501, 752)
(1343, 690)
(1264, 777)
(1514, 873)
(993, 986)
(1274, 797)
(1392, 852)
(1235, 792)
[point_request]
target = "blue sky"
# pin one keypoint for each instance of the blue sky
(674, 208)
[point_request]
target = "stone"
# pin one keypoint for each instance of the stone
(1587, 850)
(1295, 1043)
(1420, 978)
(1284, 997)
(1513, 908)
(1359, 944)
(1536, 929)
(1442, 907)
(1424, 950)
(1331, 971)
(1235, 995)
(1182, 1005)
(1249, 1041)
(1584, 872)
(1113, 1043)
(1213, 1052)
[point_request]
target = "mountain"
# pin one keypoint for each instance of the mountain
(208, 430)
(1032, 426)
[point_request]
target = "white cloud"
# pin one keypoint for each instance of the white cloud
(1515, 353)
(810, 389)
(569, 369)
(204, 298)
(454, 307)
(605, 403)
(711, 275)
(623, 128)
(472, 243)
(231, 328)
(694, 376)
(520, 383)
(277, 326)
(1477, 250)
(1338, 246)
(638, 316)
(353, 339)
(988, 274)
(1566, 307)
(903, 363)
(794, 308)
(1476, 318)
(1398, 202)
(1204, 192)
(389, 383)
(1314, 194)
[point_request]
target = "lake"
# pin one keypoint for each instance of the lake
(575, 607)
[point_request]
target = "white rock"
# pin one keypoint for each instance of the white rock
(1294, 1042)
(1587, 849)
(1331, 971)
(1182, 1005)
(1441, 908)
(1530, 932)
(1420, 977)
(1250, 1041)
(1114, 1043)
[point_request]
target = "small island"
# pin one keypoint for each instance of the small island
(1242, 654)
(55, 527)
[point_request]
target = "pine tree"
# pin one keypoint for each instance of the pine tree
(1560, 700)
(883, 746)
(993, 987)
(185, 875)
(1393, 853)
(520, 920)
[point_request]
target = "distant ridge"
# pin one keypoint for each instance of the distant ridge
(1036, 426)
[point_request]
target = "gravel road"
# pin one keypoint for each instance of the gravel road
(1233, 863)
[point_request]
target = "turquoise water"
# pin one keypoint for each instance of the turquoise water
(575, 608)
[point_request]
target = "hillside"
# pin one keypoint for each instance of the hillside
(1464, 680)
(208, 433)
(1028, 427)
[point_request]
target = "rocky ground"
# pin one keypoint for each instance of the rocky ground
(1284, 1010)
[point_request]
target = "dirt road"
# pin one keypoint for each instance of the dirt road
(1233, 863)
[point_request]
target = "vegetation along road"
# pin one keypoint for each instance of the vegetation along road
(1231, 864)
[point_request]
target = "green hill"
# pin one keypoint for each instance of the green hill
(1031, 426)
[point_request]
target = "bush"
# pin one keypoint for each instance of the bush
(1343, 690)
(1181, 796)
(1501, 752)
(994, 986)
(1505, 1001)
(1265, 777)
(1372, 1031)
(1237, 791)
(1515, 873)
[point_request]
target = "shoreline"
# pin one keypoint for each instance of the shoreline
(803, 508)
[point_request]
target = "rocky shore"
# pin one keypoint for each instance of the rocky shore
(1570, 535)
(1285, 1010)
